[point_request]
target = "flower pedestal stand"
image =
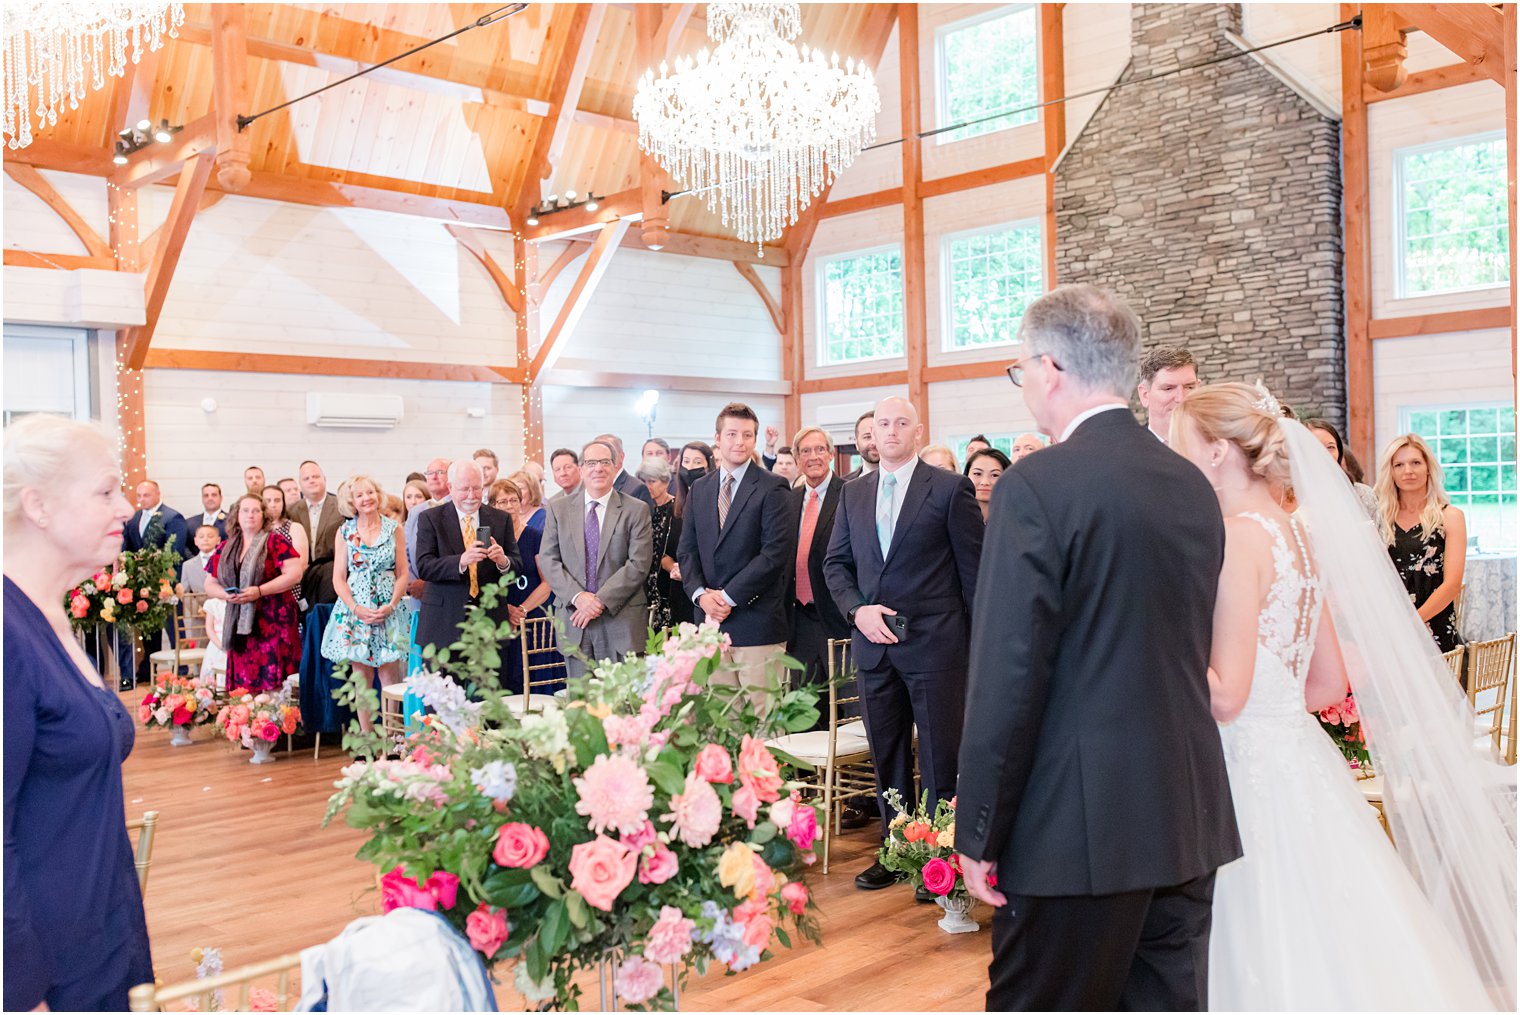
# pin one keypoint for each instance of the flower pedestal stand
(263, 752)
(179, 736)
(957, 919)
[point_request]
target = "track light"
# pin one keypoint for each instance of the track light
(164, 134)
(144, 125)
(554, 203)
(591, 204)
(533, 219)
(120, 158)
(134, 139)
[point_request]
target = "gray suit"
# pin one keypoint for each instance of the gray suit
(193, 576)
(627, 548)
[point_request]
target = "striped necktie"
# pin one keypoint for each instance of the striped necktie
(725, 499)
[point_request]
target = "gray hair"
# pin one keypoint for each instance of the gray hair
(613, 441)
(41, 449)
(1091, 332)
(653, 470)
(458, 467)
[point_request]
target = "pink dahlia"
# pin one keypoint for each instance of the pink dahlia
(696, 812)
(614, 793)
(670, 937)
(638, 980)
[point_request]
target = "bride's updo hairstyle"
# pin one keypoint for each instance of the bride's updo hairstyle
(1233, 412)
(42, 452)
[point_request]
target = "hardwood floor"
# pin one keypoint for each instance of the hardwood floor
(242, 863)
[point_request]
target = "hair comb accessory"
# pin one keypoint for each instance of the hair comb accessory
(1268, 402)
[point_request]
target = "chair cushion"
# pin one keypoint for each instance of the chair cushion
(186, 656)
(813, 746)
(393, 692)
(532, 703)
(1372, 789)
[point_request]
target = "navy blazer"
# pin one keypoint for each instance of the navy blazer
(175, 532)
(828, 611)
(440, 544)
(750, 559)
(929, 574)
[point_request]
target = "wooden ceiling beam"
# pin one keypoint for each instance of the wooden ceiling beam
(187, 197)
(326, 366)
(132, 92)
(1384, 48)
(35, 182)
(46, 153)
(561, 225)
(1475, 32)
(158, 162)
(772, 305)
(229, 96)
(299, 190)
(471, 241)
(718, 248)
(61, 262)
(578, 298)
(583, 24)
(1430, 80)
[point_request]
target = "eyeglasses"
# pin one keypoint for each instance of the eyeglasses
(436, 472)
(1016, 368)
(591, 463)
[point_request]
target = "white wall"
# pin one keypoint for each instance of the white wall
(573, 416)
(1429, 370)
(991, 405)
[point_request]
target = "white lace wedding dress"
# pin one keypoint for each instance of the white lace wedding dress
(1320, 913)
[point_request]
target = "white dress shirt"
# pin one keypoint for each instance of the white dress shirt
(903, 474)
(723, 474)
(1083, 417)
(209, 518)
(314, 511)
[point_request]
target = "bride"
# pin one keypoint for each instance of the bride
(1321, 912)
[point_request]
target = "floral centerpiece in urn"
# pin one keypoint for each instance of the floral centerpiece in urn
(178, 704)
(644, 824)
(136, 592)
(258, 720)
(920, 848)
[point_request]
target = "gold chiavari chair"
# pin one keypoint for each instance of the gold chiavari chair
(1459, 607)
(1489, 665)
(1454, 660)
(537, 638)
(189, 625)
(393, 709)
(839, 753)
(142, 856)
(151, 997)
(1507, 741)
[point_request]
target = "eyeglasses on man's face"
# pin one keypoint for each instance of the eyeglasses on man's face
(1016, 368)
(593, 463)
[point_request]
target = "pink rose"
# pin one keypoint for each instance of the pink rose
(519, 845)
(638, 979)
(142, 606)
(746, 805)
(795, 895)
(659, 868)
(1348, 711)
(758, 769)
(670, 937)
(144, 712)
(600, 869)
(79, 606)
(397, 891)
(124, 596)
(181, 716)
(270, 732)
(939, 876)
(714, 765)
(487, 929)
(804, 827)
(757, 929)
(645, 836)
(444, 887)
(1331, 715)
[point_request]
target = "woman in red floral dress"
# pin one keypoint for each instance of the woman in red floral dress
(262, 629)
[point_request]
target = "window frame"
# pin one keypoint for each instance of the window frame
(947, 286)
(1406, 425)
(81, 346)
(941, 89)
(1398, 156)
(820, 287)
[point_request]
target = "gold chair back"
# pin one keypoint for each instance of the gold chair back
(142, 856)
(1507, 738)
(1489, 666)
(1459, 607)
(151, 997)
(1454, 660)
(538, 637)
(189, 622)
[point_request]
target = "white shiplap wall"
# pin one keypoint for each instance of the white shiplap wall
(573, 416)
(986, 405)
(1430, 370)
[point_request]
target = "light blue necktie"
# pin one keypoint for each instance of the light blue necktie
(884, 505)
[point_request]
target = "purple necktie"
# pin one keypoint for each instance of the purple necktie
(593, 547)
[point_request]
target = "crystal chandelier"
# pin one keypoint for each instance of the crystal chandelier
(54, 47)
(757, 127)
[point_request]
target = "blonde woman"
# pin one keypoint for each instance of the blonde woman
(940, 456)
(368, 628)
(531, 493)
(1426, 535)
(415, 495)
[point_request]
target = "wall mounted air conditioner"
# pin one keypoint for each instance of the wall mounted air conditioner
(352, 412)
(838, 421)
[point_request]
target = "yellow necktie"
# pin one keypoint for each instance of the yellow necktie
(469, 541)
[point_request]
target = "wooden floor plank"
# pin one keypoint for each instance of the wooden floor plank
(241, 863)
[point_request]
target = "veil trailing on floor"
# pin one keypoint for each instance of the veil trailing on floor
(1452, 824)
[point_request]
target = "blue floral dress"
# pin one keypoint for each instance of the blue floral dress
(371, 580)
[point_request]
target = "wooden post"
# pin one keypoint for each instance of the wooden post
(1358, 275)
(1511, 27)
(526, 264)
(122, 207)
(915, 300)
(229, 54)
(1052, 87)
(791, 345)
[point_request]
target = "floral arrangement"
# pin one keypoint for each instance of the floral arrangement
(176, 700)
(1344, 726)
(136, 592)
(645, 821)
(247, 717)
(920, 846)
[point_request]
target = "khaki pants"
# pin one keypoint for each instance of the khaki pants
(756, 666)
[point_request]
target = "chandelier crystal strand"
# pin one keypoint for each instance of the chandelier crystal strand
(757, 127)
(63, 49)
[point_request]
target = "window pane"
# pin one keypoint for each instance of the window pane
(1451, 452)
(1455, 217)
(863, 307)
(989, 67)
(1483, 421)
(1456, 480)
(993, 278)
(1453, 422)
(1484, 478)
(1423, 423)
(1483, 449)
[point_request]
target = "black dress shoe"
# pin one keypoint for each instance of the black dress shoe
(875, 877)
(853, 817)
(922, 894)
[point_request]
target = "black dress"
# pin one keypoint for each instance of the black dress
(75, 936)
(681, 611)
(1422, 565)
(658, 587)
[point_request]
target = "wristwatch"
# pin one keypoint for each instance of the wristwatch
(850, 617)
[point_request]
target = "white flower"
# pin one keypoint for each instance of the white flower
(546, 735)
(533, 991)
(496, 779)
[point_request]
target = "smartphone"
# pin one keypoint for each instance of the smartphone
(898, 625)
(483, 534)
(233, 590)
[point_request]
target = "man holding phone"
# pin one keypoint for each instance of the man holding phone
(463, 546)
(902, 567)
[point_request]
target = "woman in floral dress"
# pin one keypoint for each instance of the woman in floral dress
(262, 629)
(369, 627)
(1426, 534)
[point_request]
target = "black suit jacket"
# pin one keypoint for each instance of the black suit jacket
(828, 610)
(631, 487)
(1090, 763)
(749, 559)
(440, 544)
(316, 583)
(172, 533)
(928, 576)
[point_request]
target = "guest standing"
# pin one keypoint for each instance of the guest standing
(1326, 433)
(655, 474)
(154, 526)
(1167, 376)
(436, 478)
(319, 513)
(567, 471)
(262, 626)
(622, 481)
(211, 511)
(505, 496)
(75, 937)
(865, 445)
(192, 573)
(984, 469)
(940, 456)
(785, 465)
(489, 464)
(529, 594)
(415, 493)
(253, 479)
(905, 550)
(695, 461)
(369, 628)
(816, 618)
(1024, 445)
(279, 521)
(595, 557)
(530, 500)
(1425, 533)
(291, 489)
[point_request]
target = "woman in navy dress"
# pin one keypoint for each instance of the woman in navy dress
(529, 594)
(75, 936)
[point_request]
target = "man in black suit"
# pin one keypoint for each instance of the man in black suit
(211, 511)
(622, 482)
(318, 513)
(154, 525)
(738, 540)
(815, 616)
(905, 550)
(865, 446)
(455, 563)
(1092, 781)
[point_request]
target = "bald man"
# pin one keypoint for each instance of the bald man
(1025, 444)
(902, 566)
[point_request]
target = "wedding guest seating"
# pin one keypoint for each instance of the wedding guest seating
(151, 997)
(537, 641)
(393, 709)
(1458, 607)
(1488, 685)
(142, 856)
(839, 753)
(189, 627)
(1454, 660)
